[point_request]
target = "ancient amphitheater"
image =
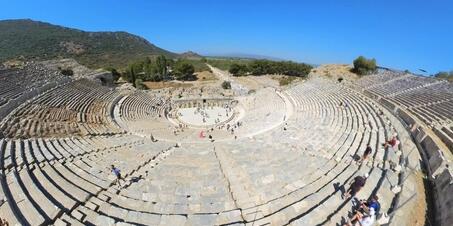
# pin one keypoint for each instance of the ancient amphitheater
(270, 156)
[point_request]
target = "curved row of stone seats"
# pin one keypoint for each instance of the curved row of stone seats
(259, 167)
(180, 187)
(264, 110)
(401, 85)
(435, 93)
(81, 107)
(381, 76)
(21, 84)
(431, 103)
(140, 105)
(429, 99)
(374, 144)
(14, 82)
(47, 178)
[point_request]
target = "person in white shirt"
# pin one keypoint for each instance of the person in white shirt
(359, 219)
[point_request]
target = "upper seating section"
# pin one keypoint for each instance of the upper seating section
(428, 99)
(380, 77)
(81, 107)
(14, 82)
(20, 84)
(401, 84)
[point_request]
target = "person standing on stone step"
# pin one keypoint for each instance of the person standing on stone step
(117, 173)
(356, 185)
(366, 153)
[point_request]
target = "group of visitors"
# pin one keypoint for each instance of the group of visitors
(179, 129)
(365, 214)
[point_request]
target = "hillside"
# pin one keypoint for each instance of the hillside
(38, 40)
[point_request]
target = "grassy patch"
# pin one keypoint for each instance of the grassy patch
(285, 80)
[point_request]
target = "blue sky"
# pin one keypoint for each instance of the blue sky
(403, 34)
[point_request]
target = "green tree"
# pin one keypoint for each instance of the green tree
(238, 69)
(161, 65)
(184, 71)
(364, 66)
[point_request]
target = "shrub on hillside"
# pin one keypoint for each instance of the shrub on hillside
(67, 72)
(364, 66)
(226, 85)
(286, 80)
(445, 75)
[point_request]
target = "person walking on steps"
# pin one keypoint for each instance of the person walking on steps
(117, 173)
(367, 153)
(356, 185)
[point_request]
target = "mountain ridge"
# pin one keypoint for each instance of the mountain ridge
(30, 39)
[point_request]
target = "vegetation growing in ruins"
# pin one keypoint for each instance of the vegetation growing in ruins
(364, 66)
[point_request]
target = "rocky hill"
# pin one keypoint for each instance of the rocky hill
(190, 55)
(30, 39)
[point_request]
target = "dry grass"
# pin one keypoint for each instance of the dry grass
(284, 80)
(335, 71)
(205, 76)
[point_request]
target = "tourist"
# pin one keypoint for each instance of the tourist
(392, 142)
(3, 222)
(360, 219)
(372, 203)
(356, 185)
(366, 153)
(117, 173)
